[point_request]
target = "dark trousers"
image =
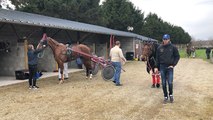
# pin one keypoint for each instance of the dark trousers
(32, 72)
(208, 55)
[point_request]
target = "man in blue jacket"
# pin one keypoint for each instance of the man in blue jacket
(167, 57)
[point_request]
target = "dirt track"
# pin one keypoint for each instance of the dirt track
(96, 99)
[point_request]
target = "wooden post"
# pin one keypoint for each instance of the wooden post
(106, 52)
(25, 54)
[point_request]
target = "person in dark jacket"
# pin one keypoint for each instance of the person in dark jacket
(32, 64)
(208, 51)
(167, 57)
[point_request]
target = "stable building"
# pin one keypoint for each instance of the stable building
(18, 29)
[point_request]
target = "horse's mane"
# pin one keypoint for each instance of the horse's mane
(54, 41)
(155, 47)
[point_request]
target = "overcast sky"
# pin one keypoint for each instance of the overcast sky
(194, 16)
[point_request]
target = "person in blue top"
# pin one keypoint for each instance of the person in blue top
(167, 57)
(32, 64)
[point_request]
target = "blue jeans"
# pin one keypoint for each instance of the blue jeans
(166, 76)
(117, 66)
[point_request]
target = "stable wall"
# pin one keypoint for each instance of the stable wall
(12, 61)
(15, 60)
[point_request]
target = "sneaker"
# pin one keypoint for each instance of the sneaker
(171, 98)
(35, 87)
(165, 100)
(118, 84)
(158, 85)
(113, 81)
(153, 86)
(30, 87)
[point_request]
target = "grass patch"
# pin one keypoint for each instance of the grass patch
(200, 53)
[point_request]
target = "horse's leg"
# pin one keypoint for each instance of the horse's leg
(188, 54)
(153, 80)
(61, 66)
(66, 71)
(90, 73)
(88, 69)
(87, 72)
(158, 80)
(62, 76)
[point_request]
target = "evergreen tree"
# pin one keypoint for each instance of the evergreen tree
(155, 27)
(115, 14)
(119, 14)
(87, 11)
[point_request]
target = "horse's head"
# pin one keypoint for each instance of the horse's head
(146, 51)
(50, 42)
(44, 43)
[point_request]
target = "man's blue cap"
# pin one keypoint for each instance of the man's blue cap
(166, 37)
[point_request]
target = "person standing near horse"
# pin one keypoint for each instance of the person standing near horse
(167, 57)
(66, 75)
(188, 50)
(116, 56)
(32, 64)
(193, 52)
(208, 51)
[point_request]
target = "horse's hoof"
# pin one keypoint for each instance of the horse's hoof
(61, 82)
(90, 77)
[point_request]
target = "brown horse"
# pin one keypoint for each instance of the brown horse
(188, 51)
(146, 51)
(149, 54)
(64, 54)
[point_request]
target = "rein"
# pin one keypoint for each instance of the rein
(147, 63)
(149, 66)
(41, 54)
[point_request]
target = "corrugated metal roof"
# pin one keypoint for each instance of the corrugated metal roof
(17, 17)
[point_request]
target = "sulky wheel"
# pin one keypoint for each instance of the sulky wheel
(108, 72)
(95, 68)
